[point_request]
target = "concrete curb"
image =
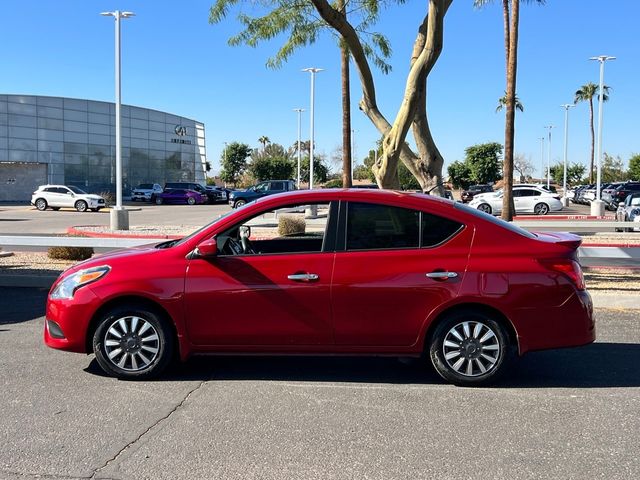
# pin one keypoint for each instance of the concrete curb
(600, 299)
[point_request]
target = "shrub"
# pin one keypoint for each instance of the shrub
(335, 183)
(109, 198)
(70, 253)
(290, 225)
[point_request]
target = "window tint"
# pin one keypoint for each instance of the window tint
(436, 229)
(372, 226)
(277, 185)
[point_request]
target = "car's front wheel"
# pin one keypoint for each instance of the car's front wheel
(485, 207)
(41, 204)
(239, 203)
(81, 206)
(541, 209)
(470, 349)
(191, 201)
(133, 342)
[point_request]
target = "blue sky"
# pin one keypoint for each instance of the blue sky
(174, 61)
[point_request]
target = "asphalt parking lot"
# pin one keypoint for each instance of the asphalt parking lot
(572, 413)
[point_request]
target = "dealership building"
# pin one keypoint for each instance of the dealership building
(72, 142)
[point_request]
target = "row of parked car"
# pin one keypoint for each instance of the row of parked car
(179, 192)
(612, 194)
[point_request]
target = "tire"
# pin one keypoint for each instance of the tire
(485, 207)
(191, 201)
(81, 206)
(133, 342)
(470, 349)
(41, 204)
(158, 201)
(541, 209)
(239, 203)
(55, 209)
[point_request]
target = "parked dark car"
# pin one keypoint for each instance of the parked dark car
(269, 187)
(213, 196)
(473, 190)
(375, 272)
(621, 192)
(190, 197)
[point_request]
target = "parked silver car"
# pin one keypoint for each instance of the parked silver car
(629, 211)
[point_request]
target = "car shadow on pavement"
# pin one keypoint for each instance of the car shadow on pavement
(19, 305)
(600, 365)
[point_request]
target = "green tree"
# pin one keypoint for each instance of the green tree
(612, 169)
(502, 103)
(320, 170)
(234, 162)
(298, 22)
(362, 172)
(483, 161)
(511, 20)
(276, 168)
(585, 94)
(459, 174)
(634, 167)
(575, 172)
(264, 140)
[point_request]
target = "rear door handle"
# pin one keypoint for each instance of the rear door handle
(442, 275)
(303, 277)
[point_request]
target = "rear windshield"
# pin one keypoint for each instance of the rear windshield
(496, 221)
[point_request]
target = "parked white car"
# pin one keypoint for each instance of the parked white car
(528, 199)
(146, 192)
(59, 196)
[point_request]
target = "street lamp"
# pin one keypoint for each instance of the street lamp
(313, 72)
(299, 111)
(566, 106)
(549, 155)
(541, 158)
(119, 216)
(597, 206)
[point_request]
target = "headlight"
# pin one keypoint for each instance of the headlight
(634, 213)
(67, 287)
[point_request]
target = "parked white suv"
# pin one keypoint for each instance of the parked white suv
(146, 192)
(58, 196)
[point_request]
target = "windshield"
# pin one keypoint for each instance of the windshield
(146, 186)
(77, 190)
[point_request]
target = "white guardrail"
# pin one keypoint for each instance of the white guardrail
(613, 255)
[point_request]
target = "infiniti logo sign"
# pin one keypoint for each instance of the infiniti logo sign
(180, 130)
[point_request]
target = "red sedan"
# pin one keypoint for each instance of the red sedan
(330, 272)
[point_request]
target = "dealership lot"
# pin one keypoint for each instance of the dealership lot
(571, 413)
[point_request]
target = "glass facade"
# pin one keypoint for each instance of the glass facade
(75, 139)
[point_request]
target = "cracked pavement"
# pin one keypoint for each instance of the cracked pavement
(571, 413)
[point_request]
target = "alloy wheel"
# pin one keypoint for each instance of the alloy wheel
(471, 348)
(131, 343)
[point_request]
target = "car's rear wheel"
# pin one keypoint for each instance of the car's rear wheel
(133, 342)
(81, 206)
(239, 203)
(191, 201)
(470, 348)
(485, 207)
(541, 209)
(158, 201)
(41, 204)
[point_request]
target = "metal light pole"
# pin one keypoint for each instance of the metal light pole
(549, 155)
(597, 206)
(566, 106)
(313, 72)
(299, 112)
(119, 216)
(541, 159)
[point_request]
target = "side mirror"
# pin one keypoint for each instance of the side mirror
(208, 248)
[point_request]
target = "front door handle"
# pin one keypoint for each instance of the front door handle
(303, 277)
(442, 275)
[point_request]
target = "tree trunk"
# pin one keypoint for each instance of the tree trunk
(591, 159)
(509, 131)
(394, 146)
(346, 106)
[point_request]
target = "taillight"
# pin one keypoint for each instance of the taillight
(569, 268)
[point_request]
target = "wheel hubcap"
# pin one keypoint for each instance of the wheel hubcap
(131, 343)
(471, 349)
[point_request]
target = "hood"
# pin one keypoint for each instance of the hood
(115, 256)
(93, 196)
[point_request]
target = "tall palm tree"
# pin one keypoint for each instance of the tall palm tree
(511, 18)
(264, 140)
(502, 103)
(583, 94)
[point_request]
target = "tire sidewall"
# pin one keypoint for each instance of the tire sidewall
(166, 343)
(436, 354)
(240, 203)
(191, 201)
